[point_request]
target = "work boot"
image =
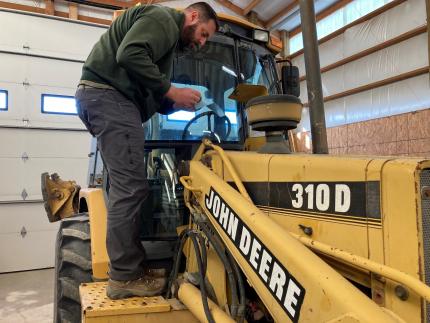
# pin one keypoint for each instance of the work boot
(145, 286)
(155, 272)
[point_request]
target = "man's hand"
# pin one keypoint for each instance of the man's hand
(184, 98)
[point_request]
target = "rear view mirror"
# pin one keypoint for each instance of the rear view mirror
(290, 80)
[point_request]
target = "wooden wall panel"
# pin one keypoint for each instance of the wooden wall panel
(405, 134)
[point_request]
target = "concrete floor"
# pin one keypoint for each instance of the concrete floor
(27, 297)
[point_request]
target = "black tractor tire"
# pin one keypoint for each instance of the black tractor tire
(72, 267)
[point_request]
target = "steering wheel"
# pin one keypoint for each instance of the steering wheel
(208, 114)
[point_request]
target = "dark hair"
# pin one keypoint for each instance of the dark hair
(206, 12)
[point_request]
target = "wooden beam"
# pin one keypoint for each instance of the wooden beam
(95, 20)
(113, 3)
(21, 7)
(73, 11)
(15, 6)
(269, 23)
(85, 18)
(371, 86)
(231, 6)
(251, 6)
(49, 7)
(321, 15)
(340, 31)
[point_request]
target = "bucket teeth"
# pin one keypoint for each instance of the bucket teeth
(60, 198)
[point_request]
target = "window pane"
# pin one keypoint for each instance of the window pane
(212, 72)
(181, 116)
(296, 43)
(360, 8)
(3, 100)
(330, 24)
(58, 104)
(231, 115)
(338, 19)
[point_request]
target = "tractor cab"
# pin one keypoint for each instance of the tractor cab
(240, 53)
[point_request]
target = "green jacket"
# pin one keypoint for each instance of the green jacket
(135, 55)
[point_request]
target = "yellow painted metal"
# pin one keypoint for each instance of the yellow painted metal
(402, 231)
(97, 308)
(98, 224)
(407, 280)
(328, 294)
(184, 180)
(60, 198)
(95, 302)
(215, 273)
(254, 143)
(245, 92)
(378, 241)
(191, 297)
(237, 20)
(229, 166)
(254, 167)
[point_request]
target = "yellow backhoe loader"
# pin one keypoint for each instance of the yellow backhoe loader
(249, 230)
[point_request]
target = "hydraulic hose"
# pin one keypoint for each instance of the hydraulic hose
(228, 267)
(201, 257)
(240, 282)
(208, 313)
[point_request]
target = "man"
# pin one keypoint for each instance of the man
(131, 63)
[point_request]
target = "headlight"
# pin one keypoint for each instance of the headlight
(261, 35)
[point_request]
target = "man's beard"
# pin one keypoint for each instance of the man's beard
(188, 40)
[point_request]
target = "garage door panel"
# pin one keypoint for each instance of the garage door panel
(12, 40)
(12, 179)
(67, 144)
(39, 119)
(68, 169)
(12, 142)
(10, 70)
(46, 36)
(44, 143)
(53, 72)
(34, 250)
(17, 101)
(62, 145)
(32, 216)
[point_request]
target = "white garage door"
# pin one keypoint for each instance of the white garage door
(42, 56)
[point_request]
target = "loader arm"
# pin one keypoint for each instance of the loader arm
(293, 282)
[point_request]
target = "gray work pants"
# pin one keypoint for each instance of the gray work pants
(116, 123)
